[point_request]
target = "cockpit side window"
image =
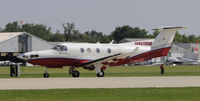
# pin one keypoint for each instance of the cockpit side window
(57, 47)
(63, 48)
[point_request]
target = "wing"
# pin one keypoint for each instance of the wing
(110, 58)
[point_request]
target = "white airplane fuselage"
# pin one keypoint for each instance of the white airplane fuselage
(78, 53)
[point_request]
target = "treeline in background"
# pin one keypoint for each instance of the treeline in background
(71, 34)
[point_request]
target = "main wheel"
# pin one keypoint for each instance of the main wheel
(75, 73)
(100, 74)
(46, 75)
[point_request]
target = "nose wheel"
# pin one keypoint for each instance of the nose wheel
(46, 75)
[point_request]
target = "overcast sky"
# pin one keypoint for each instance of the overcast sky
(103, 15)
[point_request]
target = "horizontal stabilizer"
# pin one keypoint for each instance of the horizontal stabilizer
(170, 27)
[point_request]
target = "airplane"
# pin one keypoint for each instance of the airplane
(174, 61)
(97, 56)
(180, 61)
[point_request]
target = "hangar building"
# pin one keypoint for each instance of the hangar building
(14, 43)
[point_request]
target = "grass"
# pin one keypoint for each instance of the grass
(120, 71)
(110, 94)
(116, 94)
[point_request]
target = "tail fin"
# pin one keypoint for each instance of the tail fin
(165, 37)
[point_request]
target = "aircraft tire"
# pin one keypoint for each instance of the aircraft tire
(75, 73)
(46, 75)
(101, 74)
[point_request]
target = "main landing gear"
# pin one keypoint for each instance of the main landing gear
(100, 74)
(74, 72)
(99, 71)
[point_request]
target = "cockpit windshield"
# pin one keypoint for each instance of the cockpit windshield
(60, 48)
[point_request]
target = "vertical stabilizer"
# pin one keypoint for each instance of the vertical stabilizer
(165, 37)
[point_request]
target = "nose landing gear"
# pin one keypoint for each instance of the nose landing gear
(46, 75)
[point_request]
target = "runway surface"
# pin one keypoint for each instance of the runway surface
(94, 82)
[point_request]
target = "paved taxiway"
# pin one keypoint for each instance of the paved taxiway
(94, 82)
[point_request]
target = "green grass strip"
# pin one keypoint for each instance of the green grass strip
(118, 94)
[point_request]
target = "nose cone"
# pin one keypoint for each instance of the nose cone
(21, 56)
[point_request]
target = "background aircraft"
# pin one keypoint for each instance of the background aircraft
(96, 56)
(180, 61)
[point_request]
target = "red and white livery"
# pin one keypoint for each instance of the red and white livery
(96, 56)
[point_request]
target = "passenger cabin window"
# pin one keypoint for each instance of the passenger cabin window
(98, 50)
(82, 50)
(89, 50)
(109, 50)
(60, 48)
